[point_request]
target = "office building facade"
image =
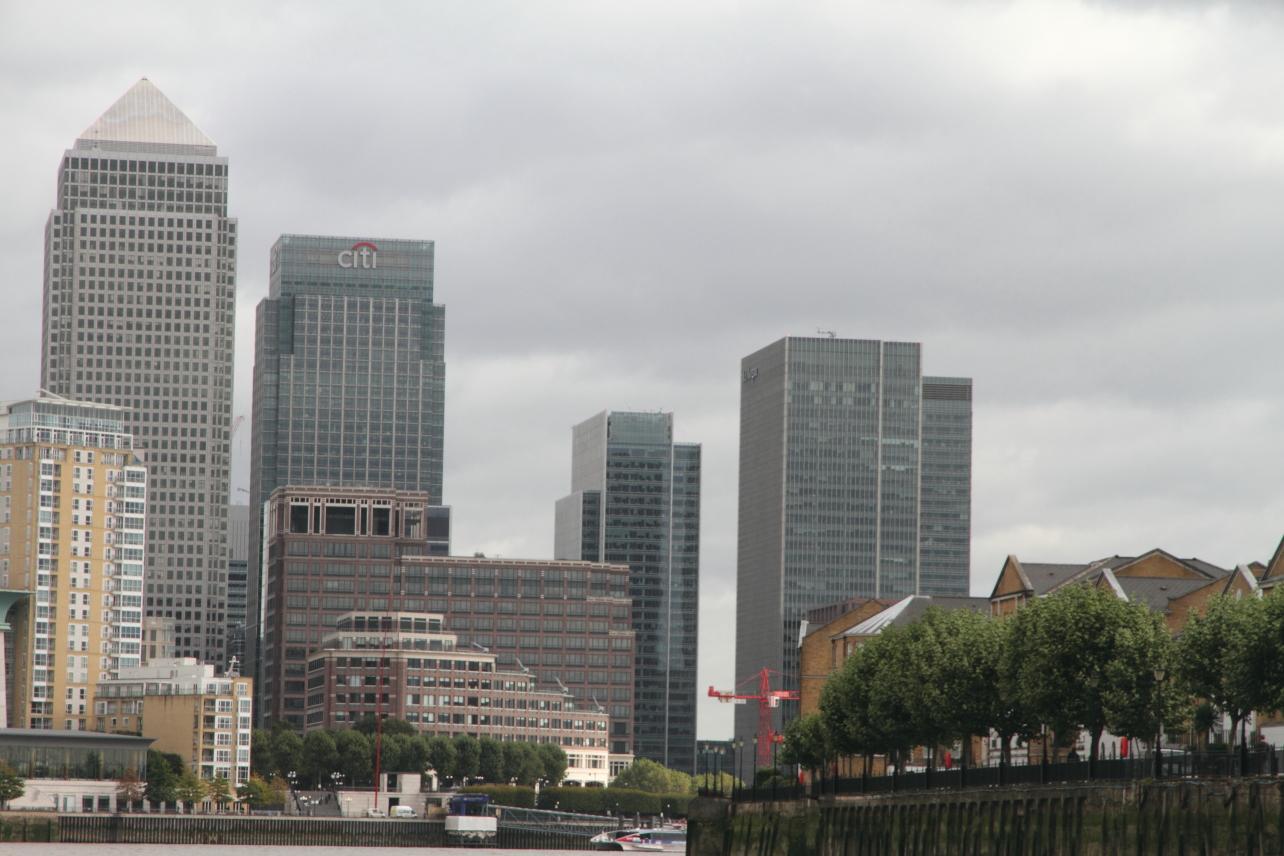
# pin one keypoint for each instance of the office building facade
(238, 571)
(139, 296)
(328, 551)
(73, 495)
(636, 501)
(855, 475)
(349, 378)
(566, 623)
(403, 665)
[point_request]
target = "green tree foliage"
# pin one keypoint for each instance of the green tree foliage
(722, 782)
(1061, 651)
(189, 789)
(12, 785)
(1227, 654)
(553, 762)
(355, 758)
(162, 778)
(287, 752)
(320, 756)
(259, 793)
(219, 790)
(467, 757)
(398, 754)
(646, 775)
(521, 763)
(806, 743)
(442, 756)
(261, 760)
(391, 725)
(490, 763)
(1143, 694)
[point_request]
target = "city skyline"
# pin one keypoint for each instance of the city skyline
(1068, 204)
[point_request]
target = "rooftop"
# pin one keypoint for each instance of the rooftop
(145, 115)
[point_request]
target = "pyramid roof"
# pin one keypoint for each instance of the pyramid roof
(145, 115)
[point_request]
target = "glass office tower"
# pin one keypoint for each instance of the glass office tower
(349, 378)
(855, 475)
(139, 296)
(636, 501)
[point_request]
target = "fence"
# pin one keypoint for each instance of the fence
(1260, 762)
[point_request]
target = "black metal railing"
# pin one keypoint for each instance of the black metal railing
(1259, 762)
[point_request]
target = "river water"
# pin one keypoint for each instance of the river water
(14, 849)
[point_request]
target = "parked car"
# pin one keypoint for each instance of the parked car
(376, 812)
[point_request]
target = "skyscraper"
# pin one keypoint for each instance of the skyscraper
(349, 379)
(636, 501)
(140, 282)
(238, 566)
(855, 480)
(72, 527)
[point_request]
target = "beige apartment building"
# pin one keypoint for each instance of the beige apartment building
(72, 527)
(187, 710)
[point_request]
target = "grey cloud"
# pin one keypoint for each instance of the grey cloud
(1077, 205)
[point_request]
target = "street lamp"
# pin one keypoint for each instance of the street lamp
(335, 778)
(1159, 721)
(737, 744)
(753, 763)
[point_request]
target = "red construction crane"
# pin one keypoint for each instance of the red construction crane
(767, 699)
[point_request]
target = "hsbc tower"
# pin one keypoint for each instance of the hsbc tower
(349, 389)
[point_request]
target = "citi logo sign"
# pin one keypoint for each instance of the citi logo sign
(363, 254)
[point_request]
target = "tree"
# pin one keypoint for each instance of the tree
(490, 760)
(1060, 653)
(261, 760)
(320, 756)
(259, 793)
(189, 789)
(12, 785)
(553, 763)
(219, 791)
(397, 754)
(646, 775)
(162, 778)
(1143, 695)
(391, 725)
(467, 757)
(354, 757)
(806, 743)
(442, 756)
(287, 751)
(1226, 655)
(129, 788)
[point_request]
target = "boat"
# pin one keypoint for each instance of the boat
(470, 819)
(659, 840)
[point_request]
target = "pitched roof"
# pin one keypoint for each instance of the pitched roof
(1044, 577)
(1156, 592)
(145, 115)
(911, 608)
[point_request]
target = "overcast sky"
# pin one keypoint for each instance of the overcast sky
(1078, 205)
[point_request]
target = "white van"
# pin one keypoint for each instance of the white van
(401, 811)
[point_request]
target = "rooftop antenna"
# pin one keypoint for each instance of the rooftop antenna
(828, 334)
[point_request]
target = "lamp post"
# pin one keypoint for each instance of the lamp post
(737, 744)
(753, 760)
(1159, 722)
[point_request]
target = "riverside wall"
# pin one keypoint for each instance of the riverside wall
(1188, 817)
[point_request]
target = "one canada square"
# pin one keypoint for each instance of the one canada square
(139, 296)
(855, 481)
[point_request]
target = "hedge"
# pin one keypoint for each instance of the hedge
(613, 801)
(513, 795)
